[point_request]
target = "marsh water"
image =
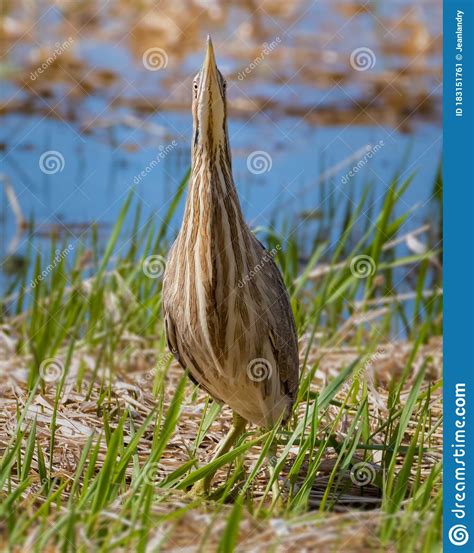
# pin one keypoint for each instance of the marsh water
(96, 99)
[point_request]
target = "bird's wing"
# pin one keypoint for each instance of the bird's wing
(172, 340)
(170, 331)
(283, 335)
(177, 348)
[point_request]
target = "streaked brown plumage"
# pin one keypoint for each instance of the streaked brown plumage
(235, 334)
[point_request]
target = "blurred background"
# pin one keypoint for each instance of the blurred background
(335, 129)
(325, 98)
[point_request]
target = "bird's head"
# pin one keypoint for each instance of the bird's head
(209, 104)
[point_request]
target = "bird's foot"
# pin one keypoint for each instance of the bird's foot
(199, 490)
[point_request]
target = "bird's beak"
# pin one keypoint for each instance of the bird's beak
(210, 102)
(209, 68)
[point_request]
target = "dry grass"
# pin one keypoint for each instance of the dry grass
(356, 510)
(101, 434)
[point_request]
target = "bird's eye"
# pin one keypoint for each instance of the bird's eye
(224, 85)
(195, 86)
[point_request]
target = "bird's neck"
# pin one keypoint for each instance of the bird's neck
(214, 239)
(213, 218)
(212, 184)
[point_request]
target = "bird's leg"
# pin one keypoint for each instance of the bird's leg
(201, 487)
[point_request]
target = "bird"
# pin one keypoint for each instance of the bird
(227, 313)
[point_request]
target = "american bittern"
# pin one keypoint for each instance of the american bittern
(235, 334)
